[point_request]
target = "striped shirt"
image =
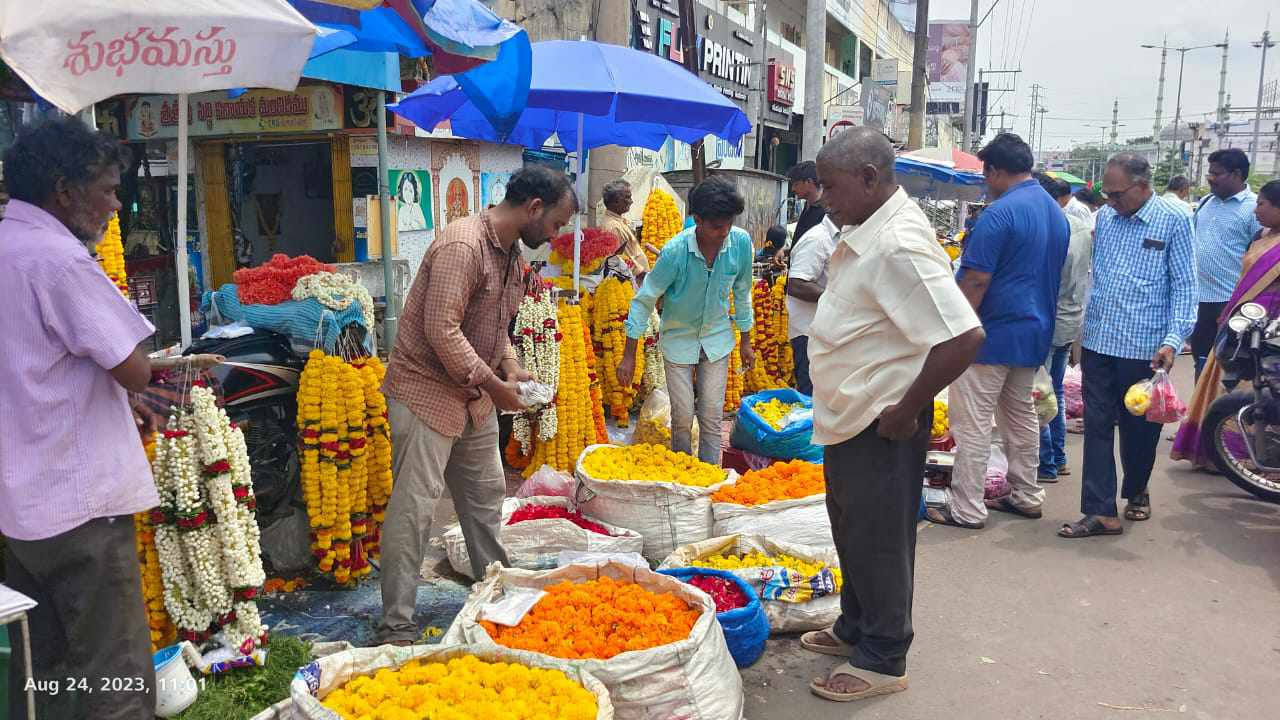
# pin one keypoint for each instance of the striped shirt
(1224, 229)
(1144, 293)
(69, 449)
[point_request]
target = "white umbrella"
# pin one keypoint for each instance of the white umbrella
(74, 53)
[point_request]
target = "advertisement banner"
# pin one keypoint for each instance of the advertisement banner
(947, 60)
(309, 108)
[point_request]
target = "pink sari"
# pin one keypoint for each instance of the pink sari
(1260, 283)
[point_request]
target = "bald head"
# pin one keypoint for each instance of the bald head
(857, 148)
(856, 172)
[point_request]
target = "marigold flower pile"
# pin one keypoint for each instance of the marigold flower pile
(111, 256)
(612, 302)
(726, 593)
(775, 412)
(779, 481)
(271, 283)
(552, 512)
(941, 422)
(650, 463)
(346, 461)
(597, 619)
(755, 559)
(463, 688)
(660, 222)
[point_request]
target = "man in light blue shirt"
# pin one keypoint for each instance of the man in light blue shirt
(1141, 307)
(1225, 226)
(697, 272)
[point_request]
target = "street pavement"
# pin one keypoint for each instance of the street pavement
(1178, 617)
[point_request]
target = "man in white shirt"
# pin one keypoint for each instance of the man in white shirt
(1076, 209)
(891, 330)
(1177, 193)
(806, 279)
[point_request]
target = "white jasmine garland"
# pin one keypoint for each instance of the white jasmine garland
(335, 291)
(537, 346)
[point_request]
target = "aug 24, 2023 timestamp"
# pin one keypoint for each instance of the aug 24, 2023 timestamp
(110, 685)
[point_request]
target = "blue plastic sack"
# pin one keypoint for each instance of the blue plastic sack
(754, 434)
(305, 322)
(745, 628)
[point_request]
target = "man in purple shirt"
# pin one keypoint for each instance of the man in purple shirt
(72, 467)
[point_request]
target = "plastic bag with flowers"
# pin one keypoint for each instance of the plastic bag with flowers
(693, 677)
(390, 681)
(534, 532)
(670, 506)
(760, 432)
(799, 585)
(786, 501)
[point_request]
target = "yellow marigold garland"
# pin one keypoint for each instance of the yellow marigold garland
(775, 367)
(661, 221)
(611, 305)
(576, 426)
(111, 255)
(163, 631)
(734, 386)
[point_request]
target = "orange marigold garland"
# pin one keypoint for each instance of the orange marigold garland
(774, 365)
(163, 631)
(597, 619)
(111, 256)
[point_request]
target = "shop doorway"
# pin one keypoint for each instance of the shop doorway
(281, 197)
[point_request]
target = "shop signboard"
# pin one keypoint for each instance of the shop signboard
(875, 106)
(843, 117)
(308, 109)
(728, 54)
(884, 71)
(782, 85)
(361, 109)
(947, 60)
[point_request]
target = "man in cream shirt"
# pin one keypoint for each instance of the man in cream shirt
(891, 330)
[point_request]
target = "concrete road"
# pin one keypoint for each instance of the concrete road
(1178, 617)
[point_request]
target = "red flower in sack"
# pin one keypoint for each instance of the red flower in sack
(596, 243)
(548, 512)
(726, 593)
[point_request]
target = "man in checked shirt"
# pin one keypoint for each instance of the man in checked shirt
(452, 364)
(1141, 308)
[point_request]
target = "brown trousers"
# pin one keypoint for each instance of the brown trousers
(90, 643)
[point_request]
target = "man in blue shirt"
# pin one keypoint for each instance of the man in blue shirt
(696, 273)
(1010, 273)
(1225, 226)
(1141, 307)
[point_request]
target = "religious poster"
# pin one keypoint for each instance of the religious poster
(411, 190)
(456, 203)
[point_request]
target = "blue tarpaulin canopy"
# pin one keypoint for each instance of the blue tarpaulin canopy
(938, 182)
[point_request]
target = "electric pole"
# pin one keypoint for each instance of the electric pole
(1035, 104)
(1155, 130)
(919, 71)
(815, 42)
(1257, 111)
(1040, 145)
(1115, 119)
(1222, 80)
(969, 113)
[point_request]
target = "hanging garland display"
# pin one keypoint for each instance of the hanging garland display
(654, 373)
(774, 365)
(592, 365)
(111, 256)
(163, 633)
(346, 461)
(576, 427)
(206, 529)
(537, 345)
(661, 221)
(608, 331)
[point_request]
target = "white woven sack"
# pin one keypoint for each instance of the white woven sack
(800, 520)
(312, 683)
(693, 679)
(784, 617)
(667, 515)
(536, 544)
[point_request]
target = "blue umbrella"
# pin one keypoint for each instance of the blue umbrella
(621, 97)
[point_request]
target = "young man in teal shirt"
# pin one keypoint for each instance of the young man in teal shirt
(696, 274)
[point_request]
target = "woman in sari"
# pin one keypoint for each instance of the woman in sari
(1260, 283)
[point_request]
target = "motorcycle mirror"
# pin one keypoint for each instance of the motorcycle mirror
(1253, 311)
(1238, 323)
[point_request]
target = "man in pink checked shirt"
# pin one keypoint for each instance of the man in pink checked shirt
(72, 467)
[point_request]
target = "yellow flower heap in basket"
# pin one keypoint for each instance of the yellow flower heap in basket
(661, 221)
(651, 463)
(463, 688)
(757, 559)
(111, 256)
(775, 412)
(941, 423)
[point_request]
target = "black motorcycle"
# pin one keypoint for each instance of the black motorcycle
(1242, 428)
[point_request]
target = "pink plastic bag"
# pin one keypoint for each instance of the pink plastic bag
(1072, 393)
(548, 481)
(1165, 407)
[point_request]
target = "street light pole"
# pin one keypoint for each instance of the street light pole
(1257, 115)
(1177, 113)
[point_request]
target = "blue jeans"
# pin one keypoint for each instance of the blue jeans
(1053, 437)
(800, 352)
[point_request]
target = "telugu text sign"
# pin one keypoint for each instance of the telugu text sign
(308, 109)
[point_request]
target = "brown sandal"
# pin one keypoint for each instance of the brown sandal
(809, 641)
(878, 684)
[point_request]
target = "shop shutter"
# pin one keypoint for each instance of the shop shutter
(343, 222)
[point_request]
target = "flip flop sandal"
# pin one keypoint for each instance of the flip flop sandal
(879, 684)
(1006, 505)
(1063, 471)
(1138, 509)
(809, 641)
(1087, 527)
(948, 519)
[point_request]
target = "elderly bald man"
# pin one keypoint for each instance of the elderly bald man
(891, 330)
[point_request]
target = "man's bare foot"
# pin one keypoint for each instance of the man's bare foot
(841, 683)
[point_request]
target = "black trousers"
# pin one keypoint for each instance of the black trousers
(1205, 332)
(1105, 380)
(90, 627)
(800, 353)
(873, 498)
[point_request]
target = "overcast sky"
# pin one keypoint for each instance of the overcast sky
(1086, 55)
